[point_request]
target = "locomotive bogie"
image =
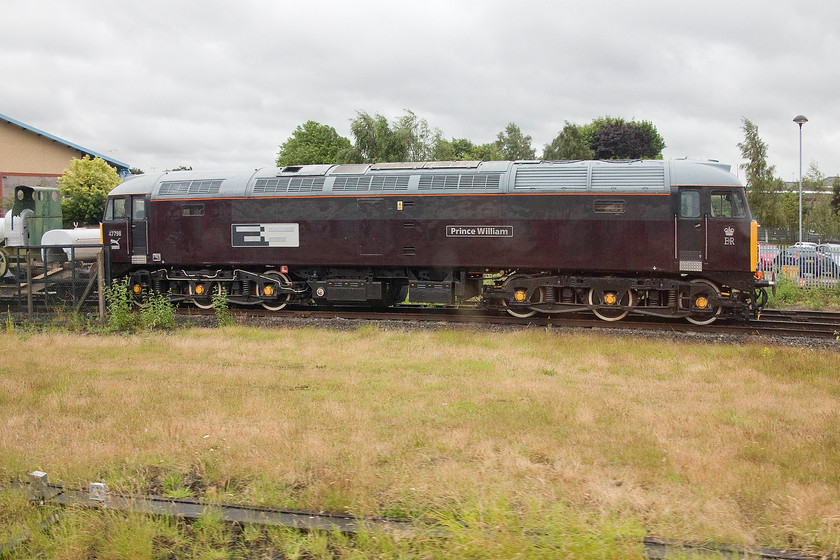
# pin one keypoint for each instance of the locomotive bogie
(657, 238)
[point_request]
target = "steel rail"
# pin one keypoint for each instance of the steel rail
(778, 323)
(98, 497)
(193, 509)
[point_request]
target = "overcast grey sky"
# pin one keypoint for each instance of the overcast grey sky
(211, 84)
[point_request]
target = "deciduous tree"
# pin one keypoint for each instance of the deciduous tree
(607, 138)
(513, 145)
(614, 138)
(570, 144)
(310, 143)
(818, 215)
(409, 138)
(763, 188)
(84, 188)
(461, 149)
(835, 196)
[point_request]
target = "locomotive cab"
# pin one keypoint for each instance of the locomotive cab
(712, 229)
(125, 227)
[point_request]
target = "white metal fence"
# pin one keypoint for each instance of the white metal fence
(807, 264)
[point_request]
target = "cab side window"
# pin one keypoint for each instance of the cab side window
(690, 204)
(115, 209)
(138, 212)
(727, 205)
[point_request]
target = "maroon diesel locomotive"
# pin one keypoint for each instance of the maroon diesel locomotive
(663, 238)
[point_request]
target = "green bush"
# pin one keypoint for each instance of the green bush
(156, 312)
(121, 315)
(790, 294)
(222, 308)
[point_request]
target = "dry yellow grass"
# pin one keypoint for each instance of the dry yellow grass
(694, 441)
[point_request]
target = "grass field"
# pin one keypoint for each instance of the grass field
(538, 443)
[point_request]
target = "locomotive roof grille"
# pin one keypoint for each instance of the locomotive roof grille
(551, 178)
(371, 183)
(468, 182)
(288, 185)
(187, 188)
(628, 179)
(641, 178)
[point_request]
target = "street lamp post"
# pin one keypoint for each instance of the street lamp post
(800, 120)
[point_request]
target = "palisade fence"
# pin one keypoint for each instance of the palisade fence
(806, 264)
(49, 279)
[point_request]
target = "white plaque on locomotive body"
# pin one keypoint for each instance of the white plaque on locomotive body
(479, 231)
(265, 235)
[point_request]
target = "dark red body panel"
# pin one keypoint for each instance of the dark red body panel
(557, 231)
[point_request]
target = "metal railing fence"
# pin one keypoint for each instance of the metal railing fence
(805, 264)
(46, 278)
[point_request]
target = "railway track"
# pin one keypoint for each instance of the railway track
(771, 322)
(98, 497)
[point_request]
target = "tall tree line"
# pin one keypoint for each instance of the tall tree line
(411, 138)
(774, 205)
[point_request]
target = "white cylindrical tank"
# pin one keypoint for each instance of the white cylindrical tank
(65, 238)
(8, 216)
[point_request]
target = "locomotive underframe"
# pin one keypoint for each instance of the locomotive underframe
(702, 299)
(522, 294)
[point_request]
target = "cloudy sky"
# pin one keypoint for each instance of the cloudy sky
(221, 84)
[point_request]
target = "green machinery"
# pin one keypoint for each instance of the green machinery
(35, 210)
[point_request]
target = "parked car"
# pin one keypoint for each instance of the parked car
(831, 250)
(766, 255)
(808, 260)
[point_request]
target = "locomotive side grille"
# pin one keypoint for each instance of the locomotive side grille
(479, 182)
(174, 188)
(351, 184)
(371, 183)
(606, 178)
(552, 179)
(288, 185)
(187, 188)
(385, 183)
(628, 178)
(306, 184)
(473, 182)
(439, 182)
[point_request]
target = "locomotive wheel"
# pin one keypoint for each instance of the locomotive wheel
(609, 298)
(702, 300)
(139, 286)
(518, 307)
(205, 301)
(282, 301)
(4, 263)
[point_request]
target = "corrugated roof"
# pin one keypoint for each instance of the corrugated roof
(122, 168)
